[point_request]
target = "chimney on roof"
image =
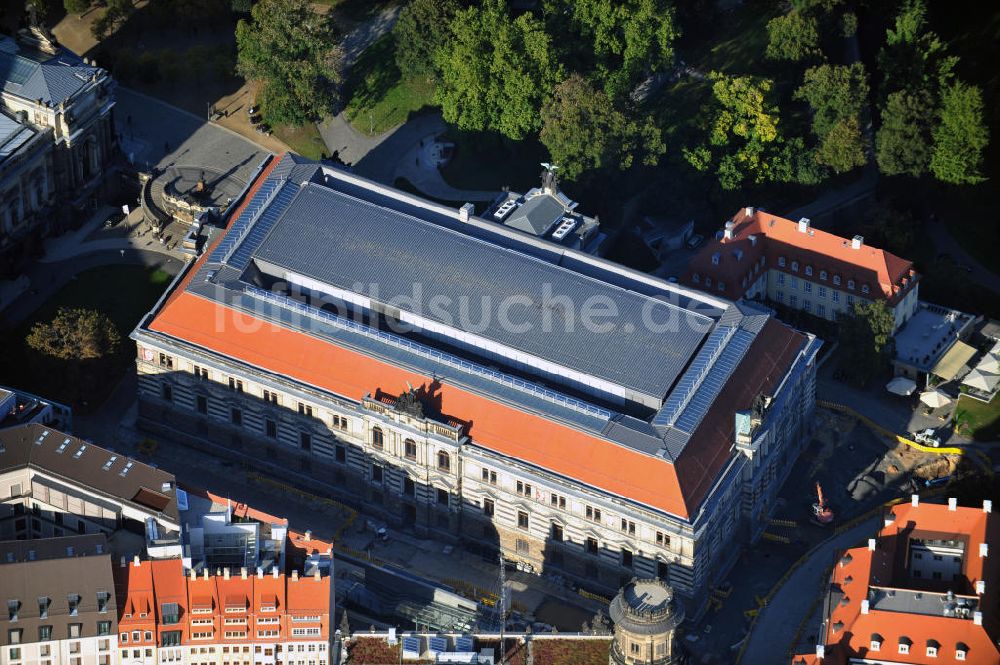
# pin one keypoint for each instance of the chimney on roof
(871, 544)
(748, 211)
(820, 651)
(124, 562)
(857, 242)
(135, 561)
(728, 232)
(295, 575)
(987, 506)
(308, 535)
(977, 618)
(753, 239)
(225, 573)
(980, 587)
(466, 211)
(804, 225)
(952, 504)
(864, 606)
(193, 574)
(984, 550)
(204, 573)
(274, 572)
(316, 574)
(914, 500)
(243, 573)
(260, 573)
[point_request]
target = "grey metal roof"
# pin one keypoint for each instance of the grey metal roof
(13, 135)
(52, 80)
(536, 215)
(354, 245)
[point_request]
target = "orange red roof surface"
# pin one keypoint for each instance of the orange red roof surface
(883, 272)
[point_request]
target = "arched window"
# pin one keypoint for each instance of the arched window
(378, 439)
(410, 449)
(444, 461)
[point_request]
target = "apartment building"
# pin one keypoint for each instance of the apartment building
(600, 456)
(760, 256)
(221, 617)
(923, 591)
(60, 602)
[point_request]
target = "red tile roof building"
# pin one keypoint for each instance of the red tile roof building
(225, 617)
(925, 590)
(489, 444)
(758, 255)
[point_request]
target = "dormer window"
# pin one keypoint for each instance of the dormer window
(836, 280)
(809, 271)
(850, 284)
(961, 651)
(12, 608)
(875, 644)
(781, 261)
(904, 645)
(708, 281)
(722, 286)
(864, 288)
(932, 649)
(715, 259)
(795, 266)
(43, 607)
(74, 604)
(696, 278)
(822, 275)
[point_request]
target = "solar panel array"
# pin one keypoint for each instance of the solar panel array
(256, 234)
(429, 352)
(411, 645)
(464, 643)
(692, 378)
(437, 644)
(239, 228)
(714, 381)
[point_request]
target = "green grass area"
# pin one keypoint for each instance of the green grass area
(486, 160)
(378, 96)
(358, 10)
(981, 419)
(734, 42)
(304, 140)
(125, 294)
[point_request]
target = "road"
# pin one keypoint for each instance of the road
(773, 632)
(945, 243)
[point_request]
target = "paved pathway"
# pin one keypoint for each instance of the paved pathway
(946, 243)
(417, 166)
(776, 625)
(361, 37)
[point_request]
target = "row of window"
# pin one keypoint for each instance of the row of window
(556, 529)
(410, 449)
(823, 275)
(932, 650)
(44, 602)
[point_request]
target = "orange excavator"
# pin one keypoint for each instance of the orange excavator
(822, 515)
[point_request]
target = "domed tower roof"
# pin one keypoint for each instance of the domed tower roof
(646, 607)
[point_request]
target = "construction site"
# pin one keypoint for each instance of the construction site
(849, 470)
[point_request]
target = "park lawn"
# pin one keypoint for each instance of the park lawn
(125, 294)
(488, 161)
(733, 43)
(304, 140)
(378, 96)
(983, 419)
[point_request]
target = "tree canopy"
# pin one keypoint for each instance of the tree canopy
(960, 137)
(75, 334)
(837, 94)
(291, 50)
(902, 143)
(793, 36)
(583, 130)
(914, 58)
(629, 38)
(76, 6)
(866, 336)
(423, 27)
(496, 71)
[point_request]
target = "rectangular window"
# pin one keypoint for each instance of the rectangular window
(170, 638)
(167, 392)
(488, 507)
(236, 385)
(44, 633)
(202, 404)
(442, 497)
(557, 532)
(377, 474)
(593, 514)
(166, 362)
(103, 627)
(236, 416)
(781, 278)
(270, 397)
(591, 545)
(305, 441)
(822, 292)
(340, 453)
(200, 372)
(821, 310)
(628, 527)
(807, 286)
(170, 613)
(662, 539)
(522, 519)
(271, 428)
(410, 449)
(522, 546)
(305, 410)
(626, 558)
(793, 301)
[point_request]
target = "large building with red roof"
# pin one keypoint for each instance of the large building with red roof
(923, 591)
(761, 256)
(168, 614)
(448, 374)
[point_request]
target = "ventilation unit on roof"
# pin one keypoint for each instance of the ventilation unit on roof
(501, 213)
(564, 228)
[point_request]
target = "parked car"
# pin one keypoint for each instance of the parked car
(253, 109)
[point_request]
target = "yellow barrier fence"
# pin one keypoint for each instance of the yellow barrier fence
(882, 430)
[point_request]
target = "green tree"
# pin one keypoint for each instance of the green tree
(914, 58)
(75, 334)
(960, 137)
(115, 14)
(629, 38)
(866, 340)
(583, 131)
(290, 49)
(834, 92)
(843, 147)
(422, 29)
(902, 143)
(743, 142)
(495, 71)
(793, 36)
(76, 6)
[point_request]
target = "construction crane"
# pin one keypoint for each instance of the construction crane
(822, 515)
